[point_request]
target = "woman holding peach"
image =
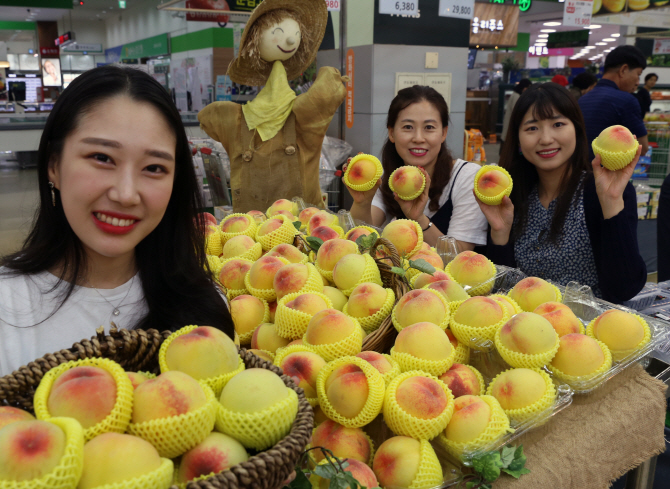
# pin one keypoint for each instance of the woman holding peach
(417, 124)
(565, 220)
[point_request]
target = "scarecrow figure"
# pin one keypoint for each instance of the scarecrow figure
(274, 142)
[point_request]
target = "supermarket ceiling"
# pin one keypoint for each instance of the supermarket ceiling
(45, 10)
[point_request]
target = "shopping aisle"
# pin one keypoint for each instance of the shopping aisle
(18, 200)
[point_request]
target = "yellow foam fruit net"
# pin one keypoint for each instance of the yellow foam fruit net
(474, 336)
(497, 427)
(618, 355)
(245, 338)
(373, 404)
(67, 473)
(284, 234)
(370, 275)
(559, 296)
(213, 244)
(394, 372)
(462, 354)
(352, 230)
(351, 345)
(522, 414)
(250, 231)
(408, 197)
(116, 421)
(444, 324)
(216, 383)
(575, 381)
(284, 352)
(161, 478)
(430, 471)
(262, 429)
(453, 305)
(268, 295)
(614, 160)
(215, 265)
(291, 323)
(409, 362)
(419, 234)
(371, 323)
(478, 289)
(314, 281)
(403, 423)
(496, 199)
(232, 293)
(362, 187)
(525, 360)
(252, 254)
(176, 435)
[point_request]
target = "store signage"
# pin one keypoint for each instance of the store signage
(577, 13)
(523, 4)
(568, 39)
(538, 50)
(242, 5)
(333, 5)
(459, 9)
(494, 25)
(661, 46)
(122, 3)
(49, 52)
(349, 101)
(65, 39)
(544, 51)
(213, 5)
(81, 48)
(486, 24)
(145, 48)
(402, 7)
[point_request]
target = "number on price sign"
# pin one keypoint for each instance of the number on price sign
(399, 7)
(333, 5)
(460, 9)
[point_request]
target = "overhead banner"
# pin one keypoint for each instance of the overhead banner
(212, 5)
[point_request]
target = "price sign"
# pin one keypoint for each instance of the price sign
(460, 9)
(333, 5)
(577, 13)
(661, 46)
(399, 7)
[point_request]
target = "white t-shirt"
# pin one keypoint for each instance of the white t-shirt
(467, 223)
(26, 300)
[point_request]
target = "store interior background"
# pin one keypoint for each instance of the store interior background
(167, 45)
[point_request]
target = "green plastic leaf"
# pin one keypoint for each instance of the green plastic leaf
(314, 243)
(474, 483)
(297, 225)
(519, 461)
(300, 482)
(422, 265)
(507, 456)
(488, 466)
(325, 471)
(517, 473)
(398, 270)
(486, 486)
(366, 242)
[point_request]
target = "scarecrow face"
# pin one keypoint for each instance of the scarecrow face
(280, 41)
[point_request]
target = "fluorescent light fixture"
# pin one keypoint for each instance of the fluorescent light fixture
(548, 30)
(601, 44)
(544, 36)
(552, 24)
(609, 39)
(616, 35)
(590, 47)
(4, 64)
(595, 26)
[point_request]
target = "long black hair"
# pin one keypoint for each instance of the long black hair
(544, 99)
(391, 160)
(171, 260)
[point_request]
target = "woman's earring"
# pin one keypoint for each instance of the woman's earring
(520, 152)
(53, 194)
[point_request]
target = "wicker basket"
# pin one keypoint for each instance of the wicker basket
(138, 350)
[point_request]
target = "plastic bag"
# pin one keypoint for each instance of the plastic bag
(334, 152)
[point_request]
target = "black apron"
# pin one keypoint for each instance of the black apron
(442, 217)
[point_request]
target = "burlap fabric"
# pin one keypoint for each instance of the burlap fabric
(597, 439)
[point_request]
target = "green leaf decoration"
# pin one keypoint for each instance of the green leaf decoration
(518, 463)
(473, 484)
(517, 473)
(297, 225)
(314, 243)
(488, 466)
(507, 456)
(325, 471)
(367, 242)
(398, 270)
(422, 265)
(300, 482)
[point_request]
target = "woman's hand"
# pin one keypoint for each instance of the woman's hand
(361, 198)
(500, 218)
(413, 209)
(611, 184)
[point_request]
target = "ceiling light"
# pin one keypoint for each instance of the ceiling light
(594, 26)
(590, 47)
(543, 36)
(548, 30)
(616, 35)
(601, 44)
(551, 24)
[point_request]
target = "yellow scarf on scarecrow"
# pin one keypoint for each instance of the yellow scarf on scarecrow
(268, 112)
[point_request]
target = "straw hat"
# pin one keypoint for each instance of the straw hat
(313, 14)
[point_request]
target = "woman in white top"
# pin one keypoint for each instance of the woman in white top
(115, 236)
(417, 123)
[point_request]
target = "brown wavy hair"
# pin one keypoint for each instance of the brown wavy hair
(391, 160)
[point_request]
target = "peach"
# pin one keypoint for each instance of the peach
(470, 268)
(320, 218)
(136, 378)
(397, 461)
(112, 458)
(10, 414)
(423, 279)
(561, 318)
(87, 394)
(347, 390)
(422, 397)
(258, 216)
(296, 342)
(450, 289)
(377, 360)
(29, 449)
(528, 333)
(336, 297)
(290, 278)
(216, 453)
(247, 312)
(424, 340)
(403, 234)
(270, 225)
(332, 251)
(303, 367)
(362, 171)
(616, 138)
(232, 273)
(407, 181)
(471, 417)
(237, 246)
(430, 257)
(462, 381)
(506, 302)
(531, 292)
(206, 219)
(253, 390)
(202, 353)
(366, 299)
(518, 388)
(170, 394)
(357, 232)
(418, 306)
(361, 472)
(344, 442)
(290, 252)
(288, 214)
(328, 326)
(262, 354)
(262, 272)
(236, 224)
(619, 330)
(479, 312)
(266, 338)
(324, 233)
(493, 182)
(578, 355)
(281, 205)
(348, 271)
(306, 214)
(307, 303)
